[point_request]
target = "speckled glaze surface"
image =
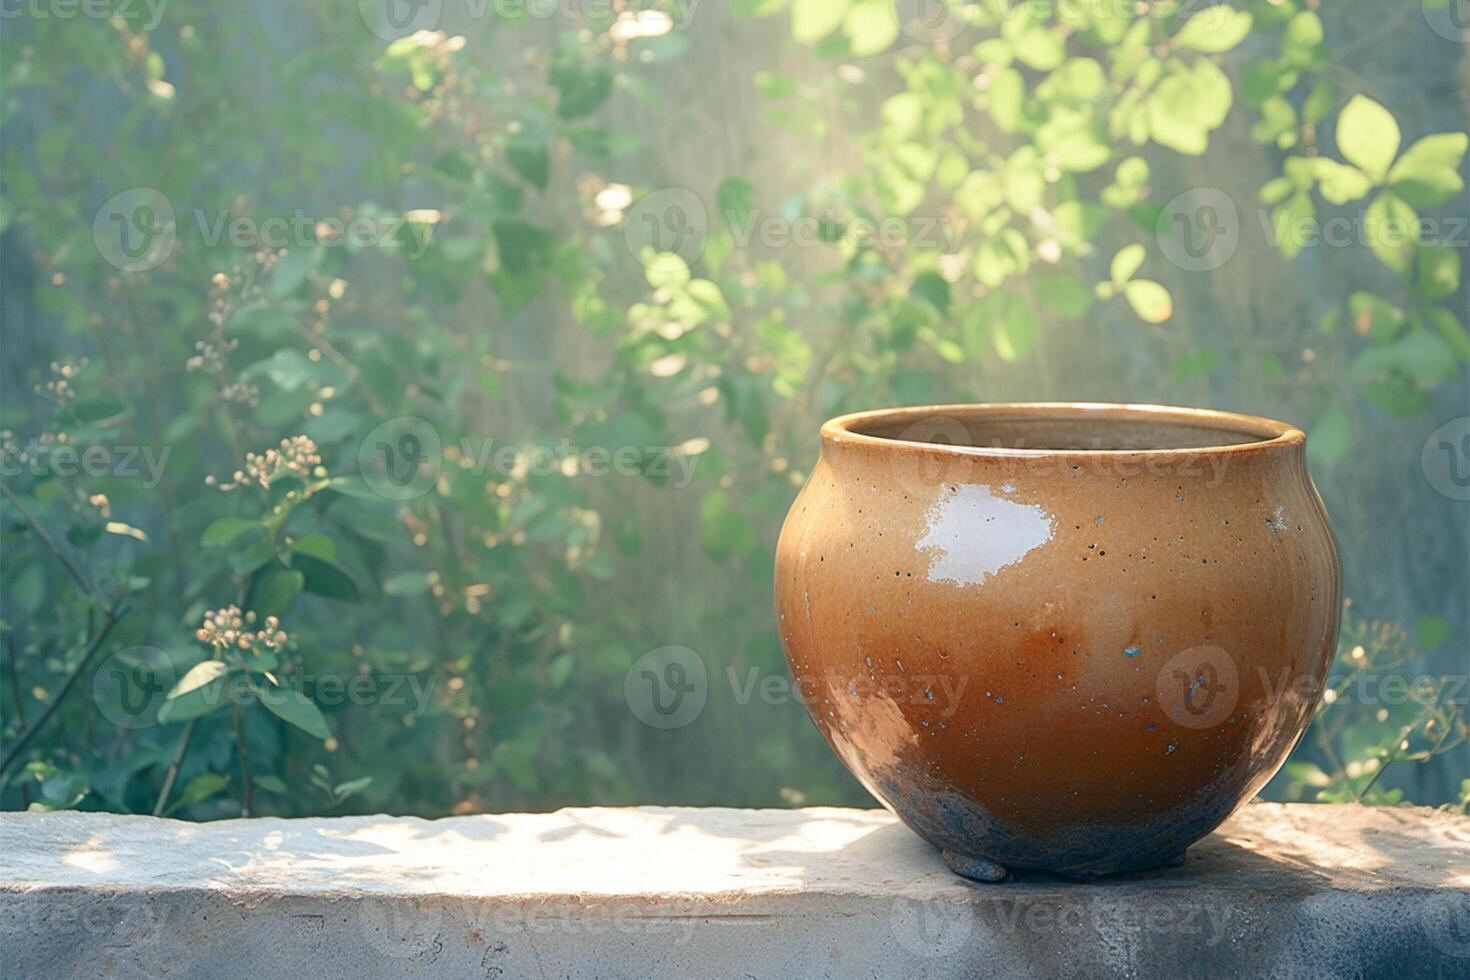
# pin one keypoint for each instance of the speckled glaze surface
(1069, 637)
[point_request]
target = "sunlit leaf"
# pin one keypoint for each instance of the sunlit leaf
(1126, 262)
(871, 26)
(1149, 300)
(198, 676)
(1013, 330)
(1391, 227)
(1429, 171)
(1368, 136)
(812, 20)
(1214, 29)
(1340, 183)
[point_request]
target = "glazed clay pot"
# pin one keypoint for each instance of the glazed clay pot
(1067, 637)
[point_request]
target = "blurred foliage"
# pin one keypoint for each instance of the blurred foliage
(480, 610)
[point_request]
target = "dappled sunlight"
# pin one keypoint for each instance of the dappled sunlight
(91, 857)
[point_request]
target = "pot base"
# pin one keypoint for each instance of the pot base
(987, 872)
(975, 868)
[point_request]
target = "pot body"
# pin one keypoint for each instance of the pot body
(1077, 661)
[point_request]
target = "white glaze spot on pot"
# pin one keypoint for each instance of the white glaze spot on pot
(973, 534)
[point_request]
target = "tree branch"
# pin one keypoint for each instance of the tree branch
(114, 613)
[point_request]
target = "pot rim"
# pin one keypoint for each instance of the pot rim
(1268, 433)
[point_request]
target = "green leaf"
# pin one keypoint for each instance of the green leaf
(1187, 104)
(1437, 271)
(1331, 438)
(1125, 263)
(735, 199)
(344, 790)
(1432, 631)
(1042, 48)
(1301, 42)
(1308, 774)
(1318, 102)
(1013, 331)
(1338, 182)
(315, 545)
(196, 703)
(325, 578)
(517, 759)
(1277, 123)
(290, 705)
(1375, 317)
(197, 676)
(275, 590)
(354, 486)
(1294, 224)
(582, 88)
(1368, 136)
(723, 530)
(666, 269)
(528, 153)
(1418, 356)
(1194, 365)
(270, 783)
(1064, 293)
(1429, 171)
(1450, 330)
(407, 583)
(1149, 300)
(200, 788)
(1005, 99)
(1391, 227)
(812, 20)
(225, 530)
(1397, 397)
(871, 26)
(1214, 30)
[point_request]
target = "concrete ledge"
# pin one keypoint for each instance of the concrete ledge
(1292, 891)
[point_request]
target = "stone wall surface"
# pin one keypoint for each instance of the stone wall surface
(1279, 890)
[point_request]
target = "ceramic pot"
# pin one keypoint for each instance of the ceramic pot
(1068, 637)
